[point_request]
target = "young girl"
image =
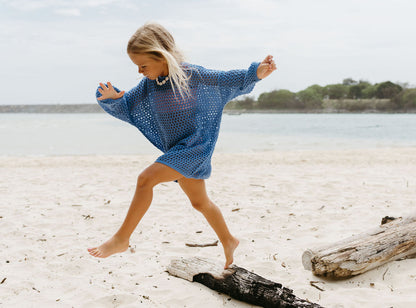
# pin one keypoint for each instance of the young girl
(178, 107)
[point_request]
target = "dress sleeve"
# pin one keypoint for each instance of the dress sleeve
(121, 108)
(231, 83)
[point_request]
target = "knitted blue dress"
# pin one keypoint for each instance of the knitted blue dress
(184, 129)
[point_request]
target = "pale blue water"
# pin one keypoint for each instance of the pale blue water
(81, 134)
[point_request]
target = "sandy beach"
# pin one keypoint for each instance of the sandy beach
(277, 203)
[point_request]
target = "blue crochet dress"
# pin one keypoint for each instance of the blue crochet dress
(185, 130)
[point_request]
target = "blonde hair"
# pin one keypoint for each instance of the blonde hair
(154, 40)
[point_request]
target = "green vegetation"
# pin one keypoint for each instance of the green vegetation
(348, 96)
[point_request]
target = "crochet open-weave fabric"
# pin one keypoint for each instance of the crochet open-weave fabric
(184, 129)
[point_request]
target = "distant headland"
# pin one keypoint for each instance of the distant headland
(49, 108)
(350, 96)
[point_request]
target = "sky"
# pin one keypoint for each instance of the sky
(57, 51)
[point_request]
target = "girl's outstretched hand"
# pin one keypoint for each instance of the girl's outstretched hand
(107, 91)
(266, 67)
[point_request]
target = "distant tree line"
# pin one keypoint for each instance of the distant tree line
(350, 95)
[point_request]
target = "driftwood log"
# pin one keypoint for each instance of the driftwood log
(236, 282)
(394, 239)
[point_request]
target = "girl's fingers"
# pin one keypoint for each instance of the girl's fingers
(120, 94)
(108, 91)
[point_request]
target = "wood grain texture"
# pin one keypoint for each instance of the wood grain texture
(391, 241)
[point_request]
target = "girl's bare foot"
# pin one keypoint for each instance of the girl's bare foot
(229, 251)
(112, 246)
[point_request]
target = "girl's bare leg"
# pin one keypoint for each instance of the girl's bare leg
(196, 192)
(149, 178)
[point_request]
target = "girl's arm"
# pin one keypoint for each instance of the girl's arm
(237, 82)
(118, 103)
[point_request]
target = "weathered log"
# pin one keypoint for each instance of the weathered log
(236, 282)
(393, 240)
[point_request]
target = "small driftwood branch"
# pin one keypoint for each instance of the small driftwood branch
(393, 240)
(314, 284)
(237, 282)
(202, 245)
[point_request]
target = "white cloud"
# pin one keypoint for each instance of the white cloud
(68, 12)
(29, 5)
(68, 7)
(96, 3)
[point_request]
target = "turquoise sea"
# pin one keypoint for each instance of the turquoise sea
(100, 134)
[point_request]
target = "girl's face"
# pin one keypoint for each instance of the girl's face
(149, 67)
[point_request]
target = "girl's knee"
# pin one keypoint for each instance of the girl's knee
(155, 174)
(201, 205)
(145, 180)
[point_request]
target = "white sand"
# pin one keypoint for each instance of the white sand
(53, 208)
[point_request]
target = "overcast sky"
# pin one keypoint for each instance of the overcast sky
(56, 51)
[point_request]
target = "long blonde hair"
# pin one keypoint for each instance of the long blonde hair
(154, 40)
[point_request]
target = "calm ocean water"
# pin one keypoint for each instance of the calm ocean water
(81, 134)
